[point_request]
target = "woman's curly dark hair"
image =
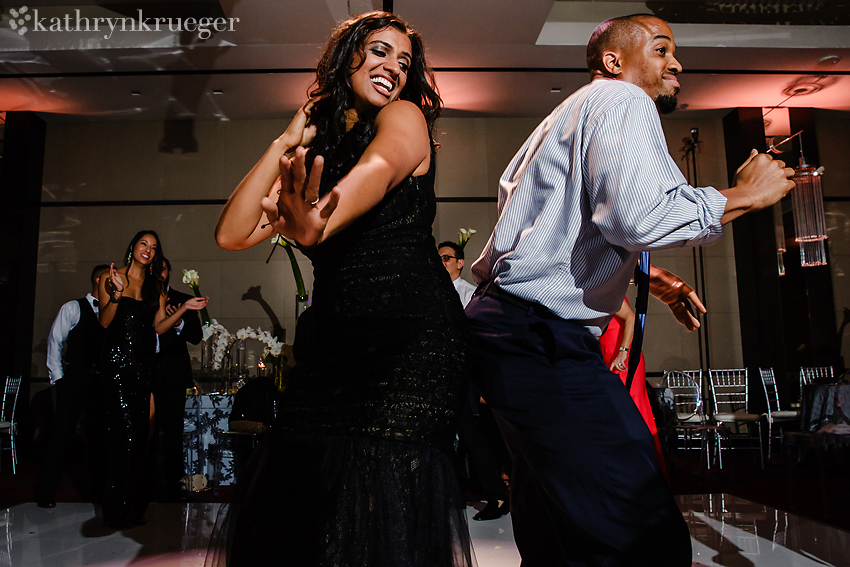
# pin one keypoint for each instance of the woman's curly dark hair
(333, 94)
(152, 285)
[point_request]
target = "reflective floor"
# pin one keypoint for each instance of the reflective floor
(725, 530)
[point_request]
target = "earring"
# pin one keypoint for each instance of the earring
(129, 258)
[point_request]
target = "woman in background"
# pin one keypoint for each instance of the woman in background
(358, 468)
(132, 308)
(615, 343)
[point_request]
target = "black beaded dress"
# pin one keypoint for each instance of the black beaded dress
(358, 469)
(127, 363)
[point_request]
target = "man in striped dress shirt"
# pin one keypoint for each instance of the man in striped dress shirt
(592, 187)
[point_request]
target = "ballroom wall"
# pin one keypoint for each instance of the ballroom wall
(103, 181)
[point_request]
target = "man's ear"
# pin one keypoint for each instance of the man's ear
(612, 63)
(460, 264)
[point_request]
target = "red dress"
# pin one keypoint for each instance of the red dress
(610, 343)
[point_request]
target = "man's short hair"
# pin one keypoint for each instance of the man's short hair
(617, 32)
(166, 263)
(97, 272)
(454, 246)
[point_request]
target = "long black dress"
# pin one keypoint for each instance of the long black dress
(358, 469)
(126, 367)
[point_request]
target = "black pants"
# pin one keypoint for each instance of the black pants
(485, 475)
(75, 394)
(586, 487)
(170, 405)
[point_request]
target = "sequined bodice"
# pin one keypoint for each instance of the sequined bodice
(389, 332)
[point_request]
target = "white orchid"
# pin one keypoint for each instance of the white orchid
(190, 277)
(464, 235)
(224, 341)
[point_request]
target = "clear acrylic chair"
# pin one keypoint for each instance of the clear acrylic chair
(691, 424)
(8, 425)
(775, 414)
(808, 375)
(730, 397)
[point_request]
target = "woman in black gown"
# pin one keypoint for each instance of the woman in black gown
(132, 308)
(358, 468)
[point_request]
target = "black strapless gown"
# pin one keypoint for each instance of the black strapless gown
(358, 468)
(127, 364)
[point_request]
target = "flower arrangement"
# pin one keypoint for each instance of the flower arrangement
(464, 235)
(190, 278)
(225, 340)
(280, 240)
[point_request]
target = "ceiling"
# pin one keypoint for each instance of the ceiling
(492, 57)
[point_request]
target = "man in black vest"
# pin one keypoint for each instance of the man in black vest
(76, 376)
(169, 388)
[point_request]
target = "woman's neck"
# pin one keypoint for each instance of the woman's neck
(136, 271)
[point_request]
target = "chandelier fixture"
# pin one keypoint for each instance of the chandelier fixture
(809, 218)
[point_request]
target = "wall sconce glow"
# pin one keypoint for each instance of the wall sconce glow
(809, 219)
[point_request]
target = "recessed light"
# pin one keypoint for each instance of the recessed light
(829, 60)
(136, 93)
(556, 89)
(218, 91)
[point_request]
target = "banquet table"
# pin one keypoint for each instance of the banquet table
(204, 417)
(823, 404)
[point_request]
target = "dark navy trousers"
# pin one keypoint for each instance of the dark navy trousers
(586, 487)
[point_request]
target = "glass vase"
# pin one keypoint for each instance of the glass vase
(207, 355)
(302, 302)
(240, 360)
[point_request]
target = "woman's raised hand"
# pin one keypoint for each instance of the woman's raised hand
(118, 283)
(298, 133)
(299, 213)
(196, 303)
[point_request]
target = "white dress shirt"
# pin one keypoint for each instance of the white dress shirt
(464, 290)
(66, 319)
(592, 186)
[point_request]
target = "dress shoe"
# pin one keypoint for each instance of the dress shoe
(46, 503)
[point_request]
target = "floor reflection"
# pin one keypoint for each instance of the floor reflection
(732, 532)
(726, 532)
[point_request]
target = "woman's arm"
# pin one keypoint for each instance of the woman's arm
(241, 223)
(109, 292)
(163, 321)
(400, 148)
(627, 316)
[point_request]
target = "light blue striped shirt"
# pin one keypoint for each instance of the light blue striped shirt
(592, 186)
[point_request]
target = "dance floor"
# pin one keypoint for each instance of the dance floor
(726, 531)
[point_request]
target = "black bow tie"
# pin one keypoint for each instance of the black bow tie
(94, 302)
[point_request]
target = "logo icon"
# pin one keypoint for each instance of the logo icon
(19, 19)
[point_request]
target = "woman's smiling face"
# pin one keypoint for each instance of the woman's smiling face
(382, 75)
(145, 249)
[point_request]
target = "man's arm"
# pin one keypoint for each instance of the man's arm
(638, 196)
(66, 319)
(759, 183)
